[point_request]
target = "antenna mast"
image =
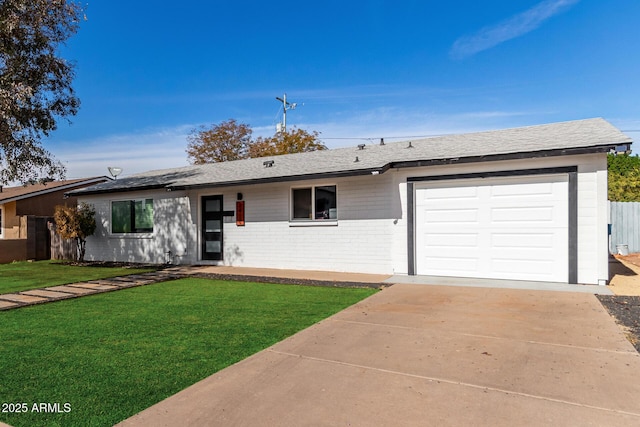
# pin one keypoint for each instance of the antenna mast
(285, 106)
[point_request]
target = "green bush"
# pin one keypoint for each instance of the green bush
(624, 178)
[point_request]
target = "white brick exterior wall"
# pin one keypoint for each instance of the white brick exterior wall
(358, 242)
(173, 230)
(370, 234)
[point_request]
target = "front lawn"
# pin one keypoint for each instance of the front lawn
(109, 356)
(22, 276)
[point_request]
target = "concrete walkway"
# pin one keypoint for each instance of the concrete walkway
(430, 355)
(497, 283)
(331, 276)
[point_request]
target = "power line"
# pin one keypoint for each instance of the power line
(371, 138)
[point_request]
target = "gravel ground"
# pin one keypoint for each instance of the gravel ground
(626, 311)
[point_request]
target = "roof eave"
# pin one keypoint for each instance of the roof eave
(337, 174)
(54, 189)
(512, 156)
(88, 192)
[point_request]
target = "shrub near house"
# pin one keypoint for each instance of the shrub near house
(76, 222)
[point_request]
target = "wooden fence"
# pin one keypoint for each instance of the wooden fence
(62, 248)
(35, 246)
(625, 227)
(41, 243)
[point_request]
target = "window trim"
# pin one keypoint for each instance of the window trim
(131, 234)
(1, 221)
(304, 222)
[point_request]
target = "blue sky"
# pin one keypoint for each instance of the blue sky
(148, 74)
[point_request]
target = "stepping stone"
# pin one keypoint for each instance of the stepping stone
(73, 290)
(97, 286)
(121, 279)
(135, 283)
(6, 304)
(98, 282)
(25, 299)
(48, 294)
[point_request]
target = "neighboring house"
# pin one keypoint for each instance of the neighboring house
(24, 211)
(524, 204)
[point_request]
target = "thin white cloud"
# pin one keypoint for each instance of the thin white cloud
(511, 28)
(136, 152)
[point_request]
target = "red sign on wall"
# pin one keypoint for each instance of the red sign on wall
(240, 213)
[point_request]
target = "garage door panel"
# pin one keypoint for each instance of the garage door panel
(520, 240)
(532, 190)
(523, 214)
(523, 254)
(528, 269)
(460, 193)
(468, 216)
(463, 266)
(451, 252)
(507, 228)
(452, 240)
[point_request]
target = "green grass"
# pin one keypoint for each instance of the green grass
(112, 355)
(22, 276)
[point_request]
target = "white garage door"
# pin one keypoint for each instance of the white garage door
(499, 228)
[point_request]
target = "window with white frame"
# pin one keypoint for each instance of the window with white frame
(315, 203)
(132, 216)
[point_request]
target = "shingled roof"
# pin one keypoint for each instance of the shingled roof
(574, 137)
(12, 194)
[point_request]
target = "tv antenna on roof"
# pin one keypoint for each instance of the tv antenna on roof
(114, 171)
(282, 127)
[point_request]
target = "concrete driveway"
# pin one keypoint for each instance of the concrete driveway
(415, 355)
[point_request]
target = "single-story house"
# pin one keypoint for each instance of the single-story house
(24, 211)
(523, 204)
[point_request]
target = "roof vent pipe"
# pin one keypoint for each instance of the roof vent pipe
(357, 159)
(410, 146)
(381, 141)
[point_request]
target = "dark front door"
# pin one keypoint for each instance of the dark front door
(211, 225)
